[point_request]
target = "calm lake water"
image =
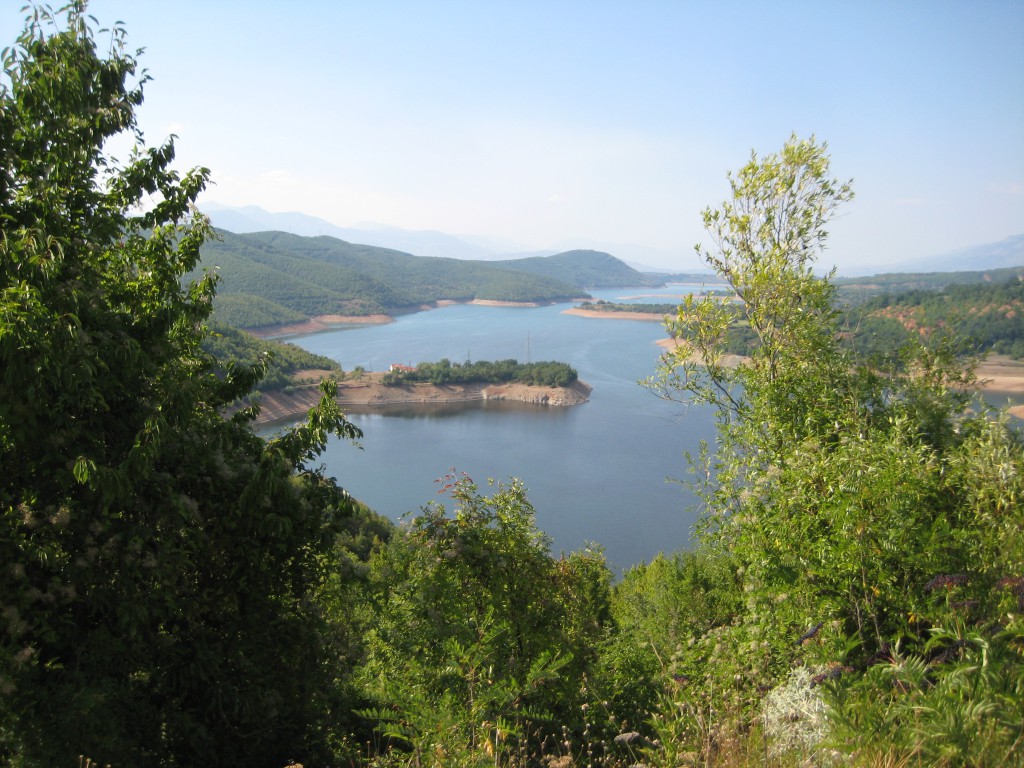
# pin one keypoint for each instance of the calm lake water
(605, 472)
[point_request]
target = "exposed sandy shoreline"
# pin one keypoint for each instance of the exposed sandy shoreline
(368, 392)
(319, 323)
(997, 374)
(648, 316)
(1002, 374)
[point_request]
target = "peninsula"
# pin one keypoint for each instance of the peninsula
(368, 392)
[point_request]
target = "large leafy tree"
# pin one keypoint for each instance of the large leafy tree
(158, 560)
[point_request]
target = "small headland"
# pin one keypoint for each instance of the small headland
(318, 324)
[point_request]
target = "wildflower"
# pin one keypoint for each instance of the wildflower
(947, 580)
(61, 517)
(810, 634)
(833, 672)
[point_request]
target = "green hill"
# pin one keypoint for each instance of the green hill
(985, 316)
(268, 278)
(583, 269)
(233, 347)
(855, 290)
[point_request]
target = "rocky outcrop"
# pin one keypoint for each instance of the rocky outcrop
(576, 394)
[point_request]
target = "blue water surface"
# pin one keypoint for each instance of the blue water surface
(605, 472)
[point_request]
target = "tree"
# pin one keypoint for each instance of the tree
(159, 560)
(477, 630)
(840, 490)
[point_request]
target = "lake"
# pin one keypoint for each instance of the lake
(606, 472)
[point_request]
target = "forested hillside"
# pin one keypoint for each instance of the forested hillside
(983, 316)
(583, 269)
(855, 290)
(266, 278)
(176, 591)
(278, 361)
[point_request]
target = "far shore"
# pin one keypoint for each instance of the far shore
(647, 316)
(317, 324)
(496, 303)
(997, 374)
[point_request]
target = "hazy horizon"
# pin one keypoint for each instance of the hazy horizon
(598, 124)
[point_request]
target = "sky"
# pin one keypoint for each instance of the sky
(590, 123)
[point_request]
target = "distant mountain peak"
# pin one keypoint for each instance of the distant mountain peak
(1002, 254)
(251, 218)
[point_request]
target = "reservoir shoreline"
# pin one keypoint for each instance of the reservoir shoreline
(368, 393)
(997, 374)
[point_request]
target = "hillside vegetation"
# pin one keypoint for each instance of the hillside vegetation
(268, 278)
(983, 316)
(582, 269)
(278, 362)
(856, 290)
(540, 374)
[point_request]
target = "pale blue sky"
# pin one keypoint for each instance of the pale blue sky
(607, 123)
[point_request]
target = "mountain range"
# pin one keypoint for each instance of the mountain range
(428, 242)
(1005, 253)
(1000, 255)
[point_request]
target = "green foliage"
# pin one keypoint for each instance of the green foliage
(961, 702)
(477, 636)
(850, 497)
(323, 275)
(582, 269)
(671, 601)
(542, 374)
(986, 317)
(660, 610)
(159, 561)
(279, 361)
(609, 306)
(243, 310)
